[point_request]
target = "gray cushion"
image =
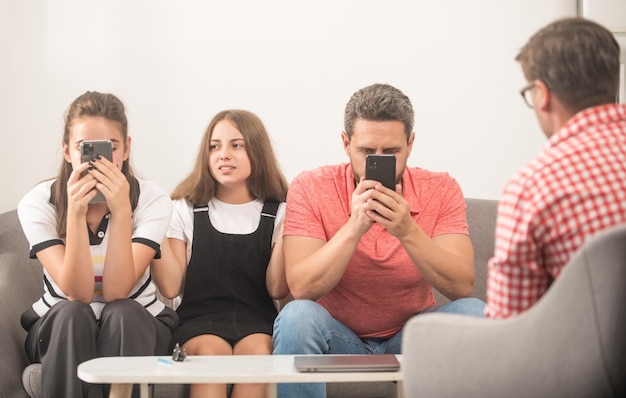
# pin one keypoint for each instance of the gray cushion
(571, 343)
(21, 285)
(31, 379)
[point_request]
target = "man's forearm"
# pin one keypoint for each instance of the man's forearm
(446, 261)
(313, 266)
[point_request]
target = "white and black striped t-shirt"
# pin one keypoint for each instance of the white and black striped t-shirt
(150, 221)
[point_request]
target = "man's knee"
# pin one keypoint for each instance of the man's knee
(300, 314)
(465, 306)
(301, 327)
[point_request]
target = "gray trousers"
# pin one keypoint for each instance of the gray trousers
(69, 334)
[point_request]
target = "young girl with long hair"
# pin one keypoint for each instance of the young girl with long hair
(226, 239)
(99, 299)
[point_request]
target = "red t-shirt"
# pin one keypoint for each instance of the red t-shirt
(381, 288)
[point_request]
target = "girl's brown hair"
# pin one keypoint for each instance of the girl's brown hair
(266, 181)
(90, 104)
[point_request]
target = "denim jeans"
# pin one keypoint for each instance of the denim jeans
(305, 327)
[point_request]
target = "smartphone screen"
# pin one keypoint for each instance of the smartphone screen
(91, 149)
(381, 168)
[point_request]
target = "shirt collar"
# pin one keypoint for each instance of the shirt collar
(587, 118)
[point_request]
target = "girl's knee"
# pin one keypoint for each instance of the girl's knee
(72, 310)
(254, 344)
(126, 313)
(124, 308)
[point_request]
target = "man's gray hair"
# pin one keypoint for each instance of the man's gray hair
(379, 102)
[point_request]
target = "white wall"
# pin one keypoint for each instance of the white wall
(176, 63)
(612, 14)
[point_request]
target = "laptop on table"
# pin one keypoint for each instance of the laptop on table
(347, 363)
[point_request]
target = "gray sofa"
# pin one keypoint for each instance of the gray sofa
(21, 285)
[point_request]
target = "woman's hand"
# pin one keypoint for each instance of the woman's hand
(80, 190)
(70, 265)
(112, 183)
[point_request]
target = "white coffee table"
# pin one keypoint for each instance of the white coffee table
(123, 372)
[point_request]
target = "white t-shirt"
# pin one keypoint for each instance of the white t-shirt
(225, 217)
(149, 224)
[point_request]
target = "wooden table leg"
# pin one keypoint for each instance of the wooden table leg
(144, 391)
(273, 390)
(121, 391)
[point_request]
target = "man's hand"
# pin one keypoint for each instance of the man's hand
(360, 216)
(388, 208)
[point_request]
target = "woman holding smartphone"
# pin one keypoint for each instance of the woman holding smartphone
(226, 241)
(99, 299)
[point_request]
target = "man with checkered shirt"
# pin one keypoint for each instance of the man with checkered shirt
(576, 186)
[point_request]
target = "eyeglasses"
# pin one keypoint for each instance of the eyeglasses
(526, 94)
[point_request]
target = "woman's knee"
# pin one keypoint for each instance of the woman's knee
(68, 312)
(122, 306)
(126, 328)
(123, 312)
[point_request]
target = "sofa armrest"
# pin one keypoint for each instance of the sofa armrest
(20, 286)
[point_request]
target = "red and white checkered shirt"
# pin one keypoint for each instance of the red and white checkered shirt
(573, 189)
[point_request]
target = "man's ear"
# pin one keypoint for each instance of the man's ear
(410, 142)
(543, 96)
(346, 142)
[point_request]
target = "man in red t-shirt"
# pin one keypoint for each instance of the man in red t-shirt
(361, 259)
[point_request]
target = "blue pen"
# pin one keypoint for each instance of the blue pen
(165, 361)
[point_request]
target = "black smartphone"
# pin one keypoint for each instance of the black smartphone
(381, 168)
(91, 149)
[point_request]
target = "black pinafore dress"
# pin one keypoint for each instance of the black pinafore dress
(225, 292)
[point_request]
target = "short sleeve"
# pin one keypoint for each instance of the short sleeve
(452, 215)
(181, 223)
(152, 215)
(300, 216)
(38, 217)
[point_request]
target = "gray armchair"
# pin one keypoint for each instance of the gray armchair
(572, 343)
